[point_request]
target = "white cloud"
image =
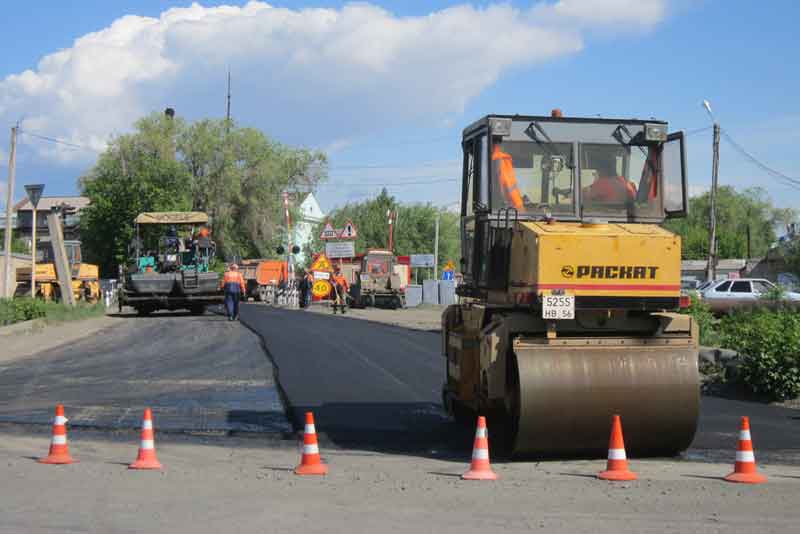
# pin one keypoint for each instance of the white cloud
(318, 76)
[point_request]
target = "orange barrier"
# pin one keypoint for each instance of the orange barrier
(146, 458)
(310, 462)
(617, 466)
(59, 451)
(480, 469)
(744, 469)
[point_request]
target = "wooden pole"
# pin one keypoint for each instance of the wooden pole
(12, 166)
(33, 256)
(436, 248)
(711, 272)
(61, 260)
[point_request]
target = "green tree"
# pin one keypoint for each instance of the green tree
(736, 213)
(18, 245)
(236, 175)
(414, 232)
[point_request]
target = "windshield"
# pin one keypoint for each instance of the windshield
(531, 177)
(378, 265)
(617, 179)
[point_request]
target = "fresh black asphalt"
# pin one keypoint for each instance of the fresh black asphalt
(375, 386)
(198, 374)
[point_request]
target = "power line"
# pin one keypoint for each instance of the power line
(787, 180)
(388, 184)
(403, 166)
(59, 141)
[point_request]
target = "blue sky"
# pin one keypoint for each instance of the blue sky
(738, 54)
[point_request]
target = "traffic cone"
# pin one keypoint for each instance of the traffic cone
(480, 469)
(617, 466)
(59, 451)
(745, 468)
(310, 462)
(147, 448)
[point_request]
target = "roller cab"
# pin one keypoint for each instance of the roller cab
(568, 312)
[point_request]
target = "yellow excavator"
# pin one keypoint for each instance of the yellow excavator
(569, 308)
(85, 276)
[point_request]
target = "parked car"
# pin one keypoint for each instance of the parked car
(723, 296)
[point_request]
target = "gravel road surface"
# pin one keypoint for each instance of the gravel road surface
(214, 488)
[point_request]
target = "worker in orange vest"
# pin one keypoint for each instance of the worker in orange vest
(233, 283)
(341, 286)
(503, 169)
(609, 187)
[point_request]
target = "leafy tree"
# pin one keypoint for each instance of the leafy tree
(414, 231)
(18, 245)
(236, 175)
(736, 213)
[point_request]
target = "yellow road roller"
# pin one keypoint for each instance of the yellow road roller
(569, 307)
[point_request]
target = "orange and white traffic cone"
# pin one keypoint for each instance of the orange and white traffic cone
(617, 466)
(745, 467)
(480, 469)
(310, 462)
(59, 451)
(147, 448)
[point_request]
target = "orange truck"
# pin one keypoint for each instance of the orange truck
(263, 277)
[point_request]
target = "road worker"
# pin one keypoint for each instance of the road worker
(233, 283)
(503, 170)
(341, 286)
(609, 187)
(305, 289)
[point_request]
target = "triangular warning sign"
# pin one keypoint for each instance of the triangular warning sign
(349, 231)
(322, 263)
(329, 232)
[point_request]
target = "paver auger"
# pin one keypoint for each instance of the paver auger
(568, 309)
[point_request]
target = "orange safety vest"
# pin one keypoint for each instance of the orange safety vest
(504, 170)
(340, 280)
(612, 189)
(234, 277)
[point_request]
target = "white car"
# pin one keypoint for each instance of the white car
(722, 296)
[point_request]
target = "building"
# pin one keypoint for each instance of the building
(695, 270)
(24, 212)
(311, 215)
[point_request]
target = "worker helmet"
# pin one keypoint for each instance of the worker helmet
(234, 267)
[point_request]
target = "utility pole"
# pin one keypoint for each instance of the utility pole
(12, 165)
(711, 273)
(436, 247)
(228, 109)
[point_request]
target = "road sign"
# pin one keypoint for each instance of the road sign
(34, 193)
(447, 275)
(449, 266)
(349, 231)
(340, 249)
(329, 232)
(321, 289)
(422, 260)
(322, 275)
(322, 263)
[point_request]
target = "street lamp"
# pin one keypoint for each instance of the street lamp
(34, 192)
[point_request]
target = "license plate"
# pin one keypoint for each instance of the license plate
(555, 307)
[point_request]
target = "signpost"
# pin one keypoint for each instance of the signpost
(34, 194)
(422, 260)
(340, 249)
(349, 231)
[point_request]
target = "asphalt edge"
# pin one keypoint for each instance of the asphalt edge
(287, 405)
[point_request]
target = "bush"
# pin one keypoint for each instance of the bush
(706, 321)
(769, 346)
(21, 309)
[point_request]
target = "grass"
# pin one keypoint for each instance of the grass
(26, 309)
(57, 312)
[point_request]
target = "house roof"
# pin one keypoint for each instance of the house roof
(47, 203)
(725, 265)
